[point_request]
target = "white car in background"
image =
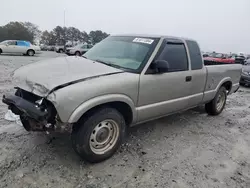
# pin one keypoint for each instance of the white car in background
(19, 47)
(79, 49)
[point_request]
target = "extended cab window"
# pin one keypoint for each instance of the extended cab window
(176, 56)
(195, 55)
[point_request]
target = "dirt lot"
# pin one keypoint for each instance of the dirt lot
(190, 149)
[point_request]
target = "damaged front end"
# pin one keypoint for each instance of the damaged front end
(36, 113)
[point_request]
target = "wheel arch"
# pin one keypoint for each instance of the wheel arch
(122, 103)
(77, 51)
(31, 50)
(227, 83)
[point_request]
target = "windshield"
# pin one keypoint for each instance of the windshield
(123, 52)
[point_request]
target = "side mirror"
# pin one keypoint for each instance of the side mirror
(161, 66)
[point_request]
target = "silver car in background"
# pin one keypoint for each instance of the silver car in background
(19, 47)
(79, 49)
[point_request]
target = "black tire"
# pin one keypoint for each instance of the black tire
(212, 107)
(242, 84)
(78, 53)
(61, 50)
(1, 51)
(85, 128)
(30, 52)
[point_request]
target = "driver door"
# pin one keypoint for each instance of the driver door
(165, 92)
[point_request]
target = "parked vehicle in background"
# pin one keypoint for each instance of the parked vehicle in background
(218, 58)
(245, 75)
(121, 81)
(60, 49)
(19, 47)
(239, 58)
(79, 49)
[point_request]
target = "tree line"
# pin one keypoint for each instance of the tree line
(58, 36)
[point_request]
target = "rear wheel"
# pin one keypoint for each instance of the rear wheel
(30, 52)
(98, 136)
(216, 106)
(60, 50)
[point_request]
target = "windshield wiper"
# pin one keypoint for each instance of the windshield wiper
(108, 64)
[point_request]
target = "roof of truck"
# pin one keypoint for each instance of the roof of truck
(154, 36)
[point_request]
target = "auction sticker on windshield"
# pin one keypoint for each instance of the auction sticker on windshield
(143, 40)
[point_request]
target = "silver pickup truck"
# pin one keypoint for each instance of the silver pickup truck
(122, 81)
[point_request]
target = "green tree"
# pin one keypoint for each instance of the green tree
(16, 31)
(33, 29)
(85, 37)
(73, 34)
(97, 36)
(60, 34)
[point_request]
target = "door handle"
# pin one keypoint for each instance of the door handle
(188, 78)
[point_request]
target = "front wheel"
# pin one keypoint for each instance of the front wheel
(98, 136)
(216, 106)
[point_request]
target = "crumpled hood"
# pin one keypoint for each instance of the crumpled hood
(41, 77)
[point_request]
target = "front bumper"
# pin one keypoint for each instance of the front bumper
(245, 79)
(20, 106)
(35, 116)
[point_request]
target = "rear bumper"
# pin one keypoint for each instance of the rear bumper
(20, 106)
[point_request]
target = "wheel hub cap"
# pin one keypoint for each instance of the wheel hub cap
(104, 136)
(220, 101)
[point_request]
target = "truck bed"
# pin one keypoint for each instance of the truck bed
(218, 74)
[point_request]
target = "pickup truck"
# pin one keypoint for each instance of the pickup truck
(122, 81)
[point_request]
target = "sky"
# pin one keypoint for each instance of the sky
(218, 25)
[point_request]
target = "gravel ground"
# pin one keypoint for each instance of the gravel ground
(190, 149)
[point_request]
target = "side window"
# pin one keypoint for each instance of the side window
(176, 56)
(12, 42)
(21, 43)
(195, 55)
